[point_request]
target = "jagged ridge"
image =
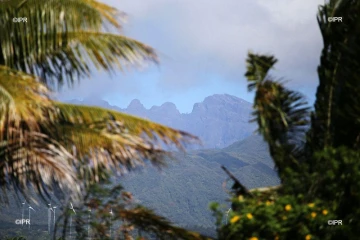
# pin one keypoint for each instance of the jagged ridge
(219, 120)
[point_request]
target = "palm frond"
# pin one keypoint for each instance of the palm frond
(74, 14)
(281, 114)
(107, 12)
(96, 137)
(78, 114)
(105, 139)
(84, 49)
(146, 220)
(28, 156)
(258, 67)
(23, 101)
(112, 204)
(52, 43)
(32, 160)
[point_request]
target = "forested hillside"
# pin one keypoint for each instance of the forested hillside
(182, 192)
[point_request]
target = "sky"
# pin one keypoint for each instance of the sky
(203, 44)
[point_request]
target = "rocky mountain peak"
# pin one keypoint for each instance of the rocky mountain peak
(224, 99)
(219, 120)
(217, 102)
(135, 104)
(167, 108)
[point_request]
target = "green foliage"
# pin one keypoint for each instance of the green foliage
(182, 191)
(197, 177)
(280, 114)
(42, 141)
(68, 149)
(335, 121)
(63, 39)
(217, 212)
(319, 165)
(282, 217)
(338, 182)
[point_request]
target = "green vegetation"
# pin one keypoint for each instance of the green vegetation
(68, 149)
(42, 141)
(319, 168)
(182, 191)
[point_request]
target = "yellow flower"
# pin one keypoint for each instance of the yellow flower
(253, 238)
(325, 212)
(268, 203)
(249, 216)
(241, 198)
(234, 219)
(311, 205)
(308, 237)
(313, 214)
(288, 207)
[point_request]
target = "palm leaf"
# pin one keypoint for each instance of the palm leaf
(85, 49)
(45, 143)
(258, 67)
(75, 14)
(58, 34)
(27, 155)
(96, 137)
(113, 140)
(32, 160)
(23, 100)
(78, 114)
(146, 220)
(280, 113)
(64, 38)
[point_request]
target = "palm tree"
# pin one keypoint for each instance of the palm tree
(43, 141)
(282, 115)
(316, 154)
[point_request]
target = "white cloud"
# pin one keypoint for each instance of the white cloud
(196, 38)
(227, 29)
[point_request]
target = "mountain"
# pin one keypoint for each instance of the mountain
(182, 191)
(219, 120)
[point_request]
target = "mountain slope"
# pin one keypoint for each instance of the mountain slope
(183, 191)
